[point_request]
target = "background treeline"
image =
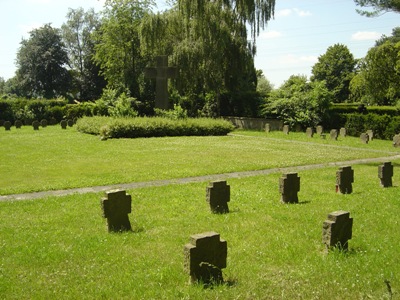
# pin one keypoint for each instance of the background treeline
(95, 62)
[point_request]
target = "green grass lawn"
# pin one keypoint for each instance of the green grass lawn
(52, 158)
(60, 247)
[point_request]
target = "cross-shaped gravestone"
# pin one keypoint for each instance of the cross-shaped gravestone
(364, 138)
(309, 132)
(289, 186)
(63, 124)
(285, 129)
(344, 180)
(7, 125)
(161, 73)
(337, 230)
(18, 124)
(370, 134)
(116, 208)
(396, 140)
(343, 132)
(385, 173)
(267, 128)
(320, 129)
(205, 257)
(218, 196)
(35, 125)
(334, 134)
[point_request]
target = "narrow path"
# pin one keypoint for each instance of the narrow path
(225, 176)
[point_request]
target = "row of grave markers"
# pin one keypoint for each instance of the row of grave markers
(365, 137)
(36, 124)
(206, 254)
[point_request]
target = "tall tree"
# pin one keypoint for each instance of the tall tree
(208, 40)
(42, 60)
(379, 77)
(77, 34)
(378, 7)
(118, 51)
(336, 68)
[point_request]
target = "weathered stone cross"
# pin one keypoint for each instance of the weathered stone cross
(161, 73)
(116, 208)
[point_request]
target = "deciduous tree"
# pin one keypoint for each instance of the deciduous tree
(378, 7)
(336, 68)
(42, 60)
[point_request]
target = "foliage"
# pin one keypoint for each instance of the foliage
(264, 86)
(41, 62)
(378, 7)
(298, 102)
(379, 75)
(77, 34)
(336, 68)
(152, 127)
(177, 113)
(208, 41)
(118, 46)
(383, 126)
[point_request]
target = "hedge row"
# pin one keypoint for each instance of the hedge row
(384, 127)
(29, 110)
(360, 108)
(152, 127)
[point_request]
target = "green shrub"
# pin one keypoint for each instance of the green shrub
(384, 127)
(152, 127)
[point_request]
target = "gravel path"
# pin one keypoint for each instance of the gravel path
(225, 176)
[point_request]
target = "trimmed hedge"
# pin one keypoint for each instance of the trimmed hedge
(108, 127)
(384, 127)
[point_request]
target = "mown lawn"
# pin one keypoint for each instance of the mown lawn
(52, 158)
(60, 247)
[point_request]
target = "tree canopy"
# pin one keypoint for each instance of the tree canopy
(336, 68)
(42, 64)
(378, 7)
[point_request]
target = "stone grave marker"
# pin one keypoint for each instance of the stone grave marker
(334, 134)
(337, 230)
(396, 140)
(385, 174)
(364, 137)
(162, 72)
(63, 124)
(370, 134)
(7, 125)
(285, 129)
(320, 129)
(218, 196)
(43, 123)
(70, 122)
(289, 186)
(205, 257)
(344, 180)
(343, 132)
(309, 132)
(18, 124)
(116, 207)
(267, 128)
(35, 125)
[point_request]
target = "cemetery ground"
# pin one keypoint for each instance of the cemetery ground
(60, 246)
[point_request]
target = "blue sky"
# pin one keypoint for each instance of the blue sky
(290, 44)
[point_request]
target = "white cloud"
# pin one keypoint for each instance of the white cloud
(365, 35)
(270, 34)
(289, 11)
(283, 12)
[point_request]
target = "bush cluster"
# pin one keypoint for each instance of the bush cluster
(152, 127)
(351, 108)
(383, 126)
